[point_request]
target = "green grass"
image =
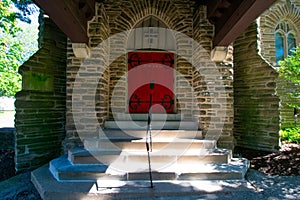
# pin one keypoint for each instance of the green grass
(290, 135)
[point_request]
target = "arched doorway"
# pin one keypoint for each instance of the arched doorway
(151, 64)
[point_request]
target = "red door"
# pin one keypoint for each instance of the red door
(150, 82)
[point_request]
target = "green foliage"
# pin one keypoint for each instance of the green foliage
(25, 9)
(290, 70)
(290, 67)
(18, 42)
(10, 57)
(8, 18)
(290, 135)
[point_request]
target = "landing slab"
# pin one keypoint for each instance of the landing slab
(50, 189)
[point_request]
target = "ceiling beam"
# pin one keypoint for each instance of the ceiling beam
(230, 17)
(67, 16)
(88, 7)
(235, 23)
(214, 7)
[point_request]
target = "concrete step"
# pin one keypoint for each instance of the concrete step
(136, 134)
(161, 157)
(144, 116)
(139, 144)
(52, 189)
(63, 170)
(156, 125)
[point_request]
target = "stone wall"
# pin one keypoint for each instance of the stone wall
(40, 105)
(88, 84)
(213, 84)
(202, 88)
(178, 16)
(256, 105)
(281, 10)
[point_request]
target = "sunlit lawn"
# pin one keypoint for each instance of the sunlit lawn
(7, 118)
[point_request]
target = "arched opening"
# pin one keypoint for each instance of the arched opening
(285, 40)
(150, 63)
(151, 34)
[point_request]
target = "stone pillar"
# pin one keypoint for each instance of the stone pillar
(40, 105)
(256, 104)
(213, 84)
(88, 84)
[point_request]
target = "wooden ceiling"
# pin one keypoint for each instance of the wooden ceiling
(230, 17)
(71, 16)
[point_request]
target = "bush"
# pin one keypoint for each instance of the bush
(290, 71)
(290, 135)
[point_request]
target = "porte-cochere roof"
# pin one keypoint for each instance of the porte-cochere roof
(230, 17)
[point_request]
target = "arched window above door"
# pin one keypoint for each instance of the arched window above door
(151, 33)
(285, 40)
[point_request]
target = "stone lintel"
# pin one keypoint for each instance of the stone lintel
(81, 50)
(219, 53)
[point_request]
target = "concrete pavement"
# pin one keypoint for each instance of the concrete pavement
(259, 187)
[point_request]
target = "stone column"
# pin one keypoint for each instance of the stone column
(40, 105)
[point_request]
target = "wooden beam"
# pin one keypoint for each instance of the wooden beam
(67, 16)
(239, 20)
(91, 4)
(88, 8)
(227, 13)
(212, 6)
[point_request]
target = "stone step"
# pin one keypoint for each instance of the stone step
(50, 188)
(161, 157)
(139, 134)
(155, 125)
(63, 170)
(139, 144)
(144, 116)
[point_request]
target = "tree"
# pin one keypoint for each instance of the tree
(14, 47)
(8, 18)
(290, 70)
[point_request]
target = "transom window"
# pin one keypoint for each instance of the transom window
(151, 33)
(285, 40)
